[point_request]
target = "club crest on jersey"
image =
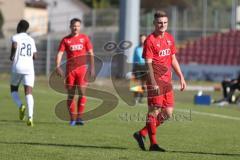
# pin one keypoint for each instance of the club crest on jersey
(164, 52)
(169, 42)
(81, 40)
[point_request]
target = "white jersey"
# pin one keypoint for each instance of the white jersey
(23, 59)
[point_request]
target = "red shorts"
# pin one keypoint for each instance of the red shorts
(77, 77)
(162, 101)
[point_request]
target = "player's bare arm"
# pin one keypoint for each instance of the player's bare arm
(13, 50)
(178, 71)
(58, 63)
(151, 75)
(34, 55)
(92, 68)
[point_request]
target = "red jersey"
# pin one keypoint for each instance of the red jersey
(76, 48)
(160, 50)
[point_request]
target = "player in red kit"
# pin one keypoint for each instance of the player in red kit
(77, 47)
(159, 53)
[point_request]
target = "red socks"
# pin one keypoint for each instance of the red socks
(151, 127)
(71, 108)
(160, 119)
(143, 132)
(81, 105)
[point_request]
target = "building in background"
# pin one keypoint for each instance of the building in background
(34, 11)
(37, 14)
(61, 11)
(11, 13)
(190, 21)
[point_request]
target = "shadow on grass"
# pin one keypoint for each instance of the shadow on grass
(37, 122)
(206, 153)
(11, 121)
(63, 145)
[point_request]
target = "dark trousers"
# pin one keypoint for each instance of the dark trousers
(229, 88)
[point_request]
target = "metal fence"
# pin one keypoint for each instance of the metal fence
(102, 26)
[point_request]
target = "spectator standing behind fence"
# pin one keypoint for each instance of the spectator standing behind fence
(139, 69)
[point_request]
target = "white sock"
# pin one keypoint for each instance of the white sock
(16, 98)
(30, 104)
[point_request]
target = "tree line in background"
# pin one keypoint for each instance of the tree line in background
(190, 11)
(101, 4)
(150, 4)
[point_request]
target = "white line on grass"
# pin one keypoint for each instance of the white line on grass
(209, 114)
(196, 88)
(180, 110)
(44, 91)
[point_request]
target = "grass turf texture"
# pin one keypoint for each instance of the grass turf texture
(187, 136)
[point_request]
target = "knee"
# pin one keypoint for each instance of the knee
(225, 83)
(167, 114)
(154, 111)
(14, 88)
(28, 92)
(70, 96)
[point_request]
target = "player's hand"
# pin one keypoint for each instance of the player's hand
(93, 74)
(155, 87)
(60, 71)
(183, 84)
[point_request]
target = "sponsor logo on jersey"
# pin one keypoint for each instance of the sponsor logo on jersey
(76, 47)
(164, 52)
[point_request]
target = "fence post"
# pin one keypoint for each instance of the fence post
(48, 54)
(234, 14)
(205, 13)
(94, 18)
(174, 22)
(185, 19)
(216, 19)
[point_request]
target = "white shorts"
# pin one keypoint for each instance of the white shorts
(26, 79)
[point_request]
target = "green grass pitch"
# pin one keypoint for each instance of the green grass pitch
(195, 132)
